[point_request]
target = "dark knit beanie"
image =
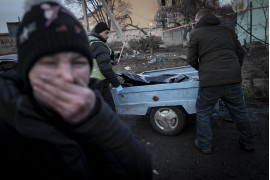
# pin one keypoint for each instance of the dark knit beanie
(101, 26)
(49, 28)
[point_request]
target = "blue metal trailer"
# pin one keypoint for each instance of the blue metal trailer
(168, 104)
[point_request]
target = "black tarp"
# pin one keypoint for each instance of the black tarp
(132, 79)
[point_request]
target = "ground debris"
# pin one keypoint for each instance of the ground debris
(155, 172)
(183, 57)
(128, 68)
(153, 60)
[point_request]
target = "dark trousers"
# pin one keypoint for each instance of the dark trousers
(104, 88)
(233, 98)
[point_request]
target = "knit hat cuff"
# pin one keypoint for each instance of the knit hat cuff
(49, 43)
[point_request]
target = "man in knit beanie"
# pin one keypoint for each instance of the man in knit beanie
(52, 124)
(102, 57)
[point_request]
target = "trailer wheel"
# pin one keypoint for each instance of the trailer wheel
(168, 120)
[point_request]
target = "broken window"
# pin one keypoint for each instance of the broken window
(174, 17)
(166, 20)
(163, 2)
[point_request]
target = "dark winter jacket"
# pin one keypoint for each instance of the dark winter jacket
(35, 145)
(101, 53)
(215, 52)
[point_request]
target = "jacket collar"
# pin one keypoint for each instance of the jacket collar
(96, 37)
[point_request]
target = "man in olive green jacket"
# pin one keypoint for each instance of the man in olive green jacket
(216, 53)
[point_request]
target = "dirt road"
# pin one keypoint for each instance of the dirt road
(175, 157)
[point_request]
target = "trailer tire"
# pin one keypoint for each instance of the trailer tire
(168, 120)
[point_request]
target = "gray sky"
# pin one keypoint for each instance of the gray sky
(10, 10)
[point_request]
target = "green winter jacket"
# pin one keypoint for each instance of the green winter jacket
(214, 50)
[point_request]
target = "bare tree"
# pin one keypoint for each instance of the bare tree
(127, 22)
(120, 8)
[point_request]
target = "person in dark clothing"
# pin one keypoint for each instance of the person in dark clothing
(103, 58)
(214, 50)
(52, 124)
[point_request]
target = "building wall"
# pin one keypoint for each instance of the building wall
(133, 34)
(7, 44)
(169, 38)
(143, 12)
(258, 19)
(174, 37)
